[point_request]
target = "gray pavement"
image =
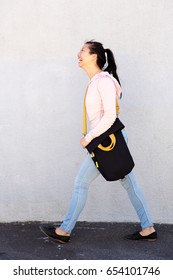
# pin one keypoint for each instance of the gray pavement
(89, 241)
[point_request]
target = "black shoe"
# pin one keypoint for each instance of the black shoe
(138, 236)
(50, 232)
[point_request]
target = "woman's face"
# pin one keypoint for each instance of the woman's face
(85, 58)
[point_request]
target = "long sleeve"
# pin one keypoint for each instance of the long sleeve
(101, 106)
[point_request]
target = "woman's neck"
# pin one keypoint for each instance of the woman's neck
(93, 71)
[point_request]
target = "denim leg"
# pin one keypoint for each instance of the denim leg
(137, 199)
(136, 195)
(87, 173)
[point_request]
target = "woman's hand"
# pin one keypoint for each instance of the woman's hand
(83, 142)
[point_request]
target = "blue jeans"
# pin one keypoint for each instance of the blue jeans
(87, 173)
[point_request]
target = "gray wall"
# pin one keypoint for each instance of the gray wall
(41, 95)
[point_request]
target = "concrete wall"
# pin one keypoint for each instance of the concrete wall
(41, 95)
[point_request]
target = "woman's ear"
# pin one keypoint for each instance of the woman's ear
(94, 57)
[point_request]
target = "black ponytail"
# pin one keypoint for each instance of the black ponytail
(112, 67)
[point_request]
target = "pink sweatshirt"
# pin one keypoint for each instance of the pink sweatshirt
(101, 103)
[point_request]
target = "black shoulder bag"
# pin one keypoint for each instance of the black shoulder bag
(109, 151)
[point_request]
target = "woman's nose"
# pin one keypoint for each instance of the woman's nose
(78, 55)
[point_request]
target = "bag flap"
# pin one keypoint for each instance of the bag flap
(117, 126)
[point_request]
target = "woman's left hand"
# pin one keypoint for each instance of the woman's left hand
(83, 142)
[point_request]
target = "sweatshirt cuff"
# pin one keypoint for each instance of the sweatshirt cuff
(88, 138)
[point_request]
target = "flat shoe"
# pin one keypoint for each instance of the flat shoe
(137, 236)
(50, 232)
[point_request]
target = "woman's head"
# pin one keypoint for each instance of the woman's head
(97, 48)
(104, 58)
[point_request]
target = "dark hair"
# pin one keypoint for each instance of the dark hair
(97, 48)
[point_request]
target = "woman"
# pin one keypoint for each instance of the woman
(103, 89)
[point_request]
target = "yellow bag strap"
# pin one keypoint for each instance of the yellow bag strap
(84, 125)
